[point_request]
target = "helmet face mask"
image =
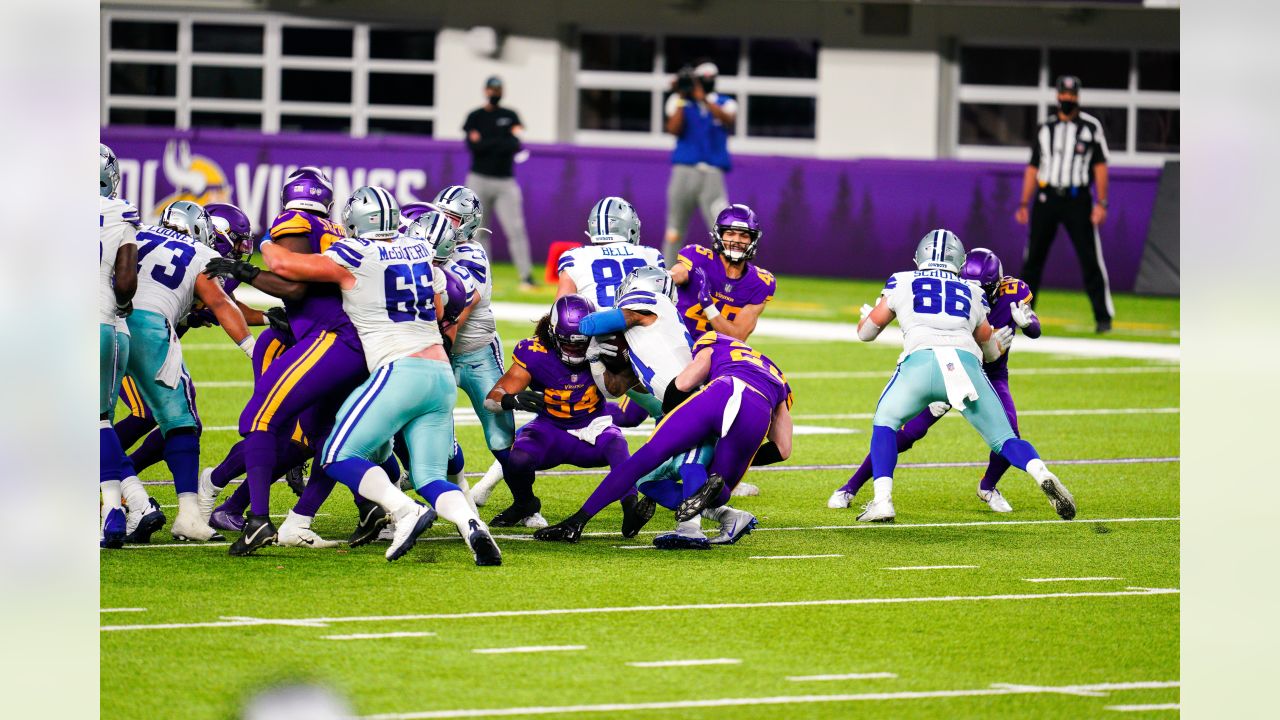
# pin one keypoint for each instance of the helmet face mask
(108, 172)
(233, 231)
(463, 206)
(372, 213)
(566, 332)
(983, 267)
(742, 219)
(191, 219)
(307, 188)
(613, 220)
(438, 231)
(649, 279)
(940, 250)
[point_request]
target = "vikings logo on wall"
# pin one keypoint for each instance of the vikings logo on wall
(194, 177)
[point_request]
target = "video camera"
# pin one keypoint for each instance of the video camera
(687, 77)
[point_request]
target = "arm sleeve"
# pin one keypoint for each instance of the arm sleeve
(565, 262)
(603, 322)
(343, 254)
(768, 288)
(889, 286)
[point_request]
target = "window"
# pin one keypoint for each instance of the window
(619, 53)
(244, 83)
(138, 35)
(615, 110)
(245, 121)
(402, 44)
(784, 58)
(1004, 92)
(397, 126)
(141, 116)
(219, 38)
(773, 116)
(317, 42)
(143, 79)
(681, 51)
(320, 123)
(402, 89)
(327, 86)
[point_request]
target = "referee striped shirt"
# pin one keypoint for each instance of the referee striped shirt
(1065, 151)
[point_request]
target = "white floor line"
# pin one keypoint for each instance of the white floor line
(378, 636)
(1070, 579)
(747, 701)
(116, 610)
(1085, 370)
(528, 649)
(685, 663)
(545, 612)
(932, 567)
(846, 676)
(791, 557)
(1070, 412)
(1145, 708)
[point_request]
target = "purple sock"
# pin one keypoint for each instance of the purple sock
(260, 464)
(231, 467)
(916, 428)
(182, 455)
(238, 502)
(150, 452)
(110, 456)
(665, 492)
(996, 467)
(132, 428)
(316, 492)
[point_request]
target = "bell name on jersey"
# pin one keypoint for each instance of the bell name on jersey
(598, 270)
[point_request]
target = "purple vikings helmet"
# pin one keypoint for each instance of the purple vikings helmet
(570, 342)
(410, 212)
(307, 188)
(736, 217)
(456, 297)
(983, 267)
(234, 237)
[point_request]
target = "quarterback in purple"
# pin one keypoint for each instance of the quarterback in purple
(549, 376)
(720, 289)
(746, 400)
(1010, 301)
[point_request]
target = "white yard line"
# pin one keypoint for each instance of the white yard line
(548, 612)
(685, 663)
(790, 557)
(1145, 708)
(528, 649)
(116, 610)
(774, 700)
(933, 567)
(1070, 579)
(1071, 412)
(379, 636)
(1083, 370)
(846, 676)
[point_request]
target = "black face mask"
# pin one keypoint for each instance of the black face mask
(1066, 107)
(495, 98)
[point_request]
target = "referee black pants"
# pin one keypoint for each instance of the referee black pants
(1073, 214)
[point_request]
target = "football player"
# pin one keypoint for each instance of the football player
(943, 324)
(595, 271)
(1010, 300)
(392, 293)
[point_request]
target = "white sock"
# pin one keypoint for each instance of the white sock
(715, 513)
(110, 495)
(135, 495)
(493, 474)
(883, 487)
(187, 504)
(376, 486)
(293, 519)
(1037, 469)
(453, 506)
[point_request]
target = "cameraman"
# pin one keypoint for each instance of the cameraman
(701, 119)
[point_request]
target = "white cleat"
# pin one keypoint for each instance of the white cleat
(481, 491)
(296, 531)
(388, 531)
(535, 521)
(840, 500)
(1063, 503)
(206, 494)
(733, 524)
(993, 498)
(408, 527)
(879, 510)
(190, 527)
(745, 490)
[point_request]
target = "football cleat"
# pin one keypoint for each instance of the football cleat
(993, 498)
(226, 520)
(113, 526)
(297, 478)
(207, 494)
(296, 531)
(840, 500)
(388, 531)
(1063, 503)
(677, 541)
(568, 530)
(372, 518)
(878, 511)
(408, 528)
(519, 514)
(636, 512)
(535, 521)
(745, 490)
(145, 523)
(482, 546)
(190, 527)
(481, 491)
(734, 524)
(258, 533)
(692, 505)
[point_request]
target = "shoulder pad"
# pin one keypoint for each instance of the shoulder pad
(290, 222)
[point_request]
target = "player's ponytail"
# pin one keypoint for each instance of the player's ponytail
(543, 331)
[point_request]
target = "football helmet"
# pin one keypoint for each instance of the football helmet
(650, 279)
(566, 332)
(234, 233)
(307, 188)
(410, 212)
(188, 217)
(736, 217)
(461, 204)
(108, 172)
(983, 267)
(437, 230)
(371, 213)
(940, 250)
(613, 220)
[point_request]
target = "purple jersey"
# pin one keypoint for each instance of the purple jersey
(321, 307)
(733, 358)
(756, 286)
(569, 392)
(1009, 292)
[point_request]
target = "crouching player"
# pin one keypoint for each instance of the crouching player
(392, 294)
(942, 326)
(746, 400)
(1010, 300)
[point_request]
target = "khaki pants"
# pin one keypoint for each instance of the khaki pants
(692, 187)
(501, 197)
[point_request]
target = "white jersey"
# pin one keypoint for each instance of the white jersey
(936, 308)
(392, 304)
(661, 350)
(168, 264)
(480, 328)
(117, 226)
(597, 270)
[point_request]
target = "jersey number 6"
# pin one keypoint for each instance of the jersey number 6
(409, 292)
(928, 297)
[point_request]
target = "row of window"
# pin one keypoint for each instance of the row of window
(296, 41)
(296, 84)
(1097, 69)
(639, 54)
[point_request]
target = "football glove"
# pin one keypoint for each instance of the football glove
(278, 320)
(527, 400)
(225, 267)
(939, 408)
(1005, 337)
(1022, 314)
(702, 288)
(124, 310)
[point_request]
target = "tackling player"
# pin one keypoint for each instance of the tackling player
(595, 271)
(943, 325)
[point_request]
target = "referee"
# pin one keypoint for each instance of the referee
(1068, 164)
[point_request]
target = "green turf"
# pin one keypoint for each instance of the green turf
(930, 646)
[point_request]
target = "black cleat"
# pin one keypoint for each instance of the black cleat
(482, 545)
(1104, 326)
(568, 530)
(516, 512)
(692, 505)
(148, 525)
(297, 478)
(258, 533)
(372, 519)
(636, 513)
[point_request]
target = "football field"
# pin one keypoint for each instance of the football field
(954, 611)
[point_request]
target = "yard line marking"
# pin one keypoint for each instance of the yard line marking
(932, 567)
(1069, 412)
(1145, 708)
(1052, 689)
(528, 649)
(1072, 579)
(378, 636)
(685, 663)
(774, 700)
(846, 676)
(111, 610)
(1086, 370)
(790, 557)
(239, 622)
(635, 547)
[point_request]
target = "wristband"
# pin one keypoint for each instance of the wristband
(247, 345)
(711, 312)
(508, 402)
(1105, 205)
